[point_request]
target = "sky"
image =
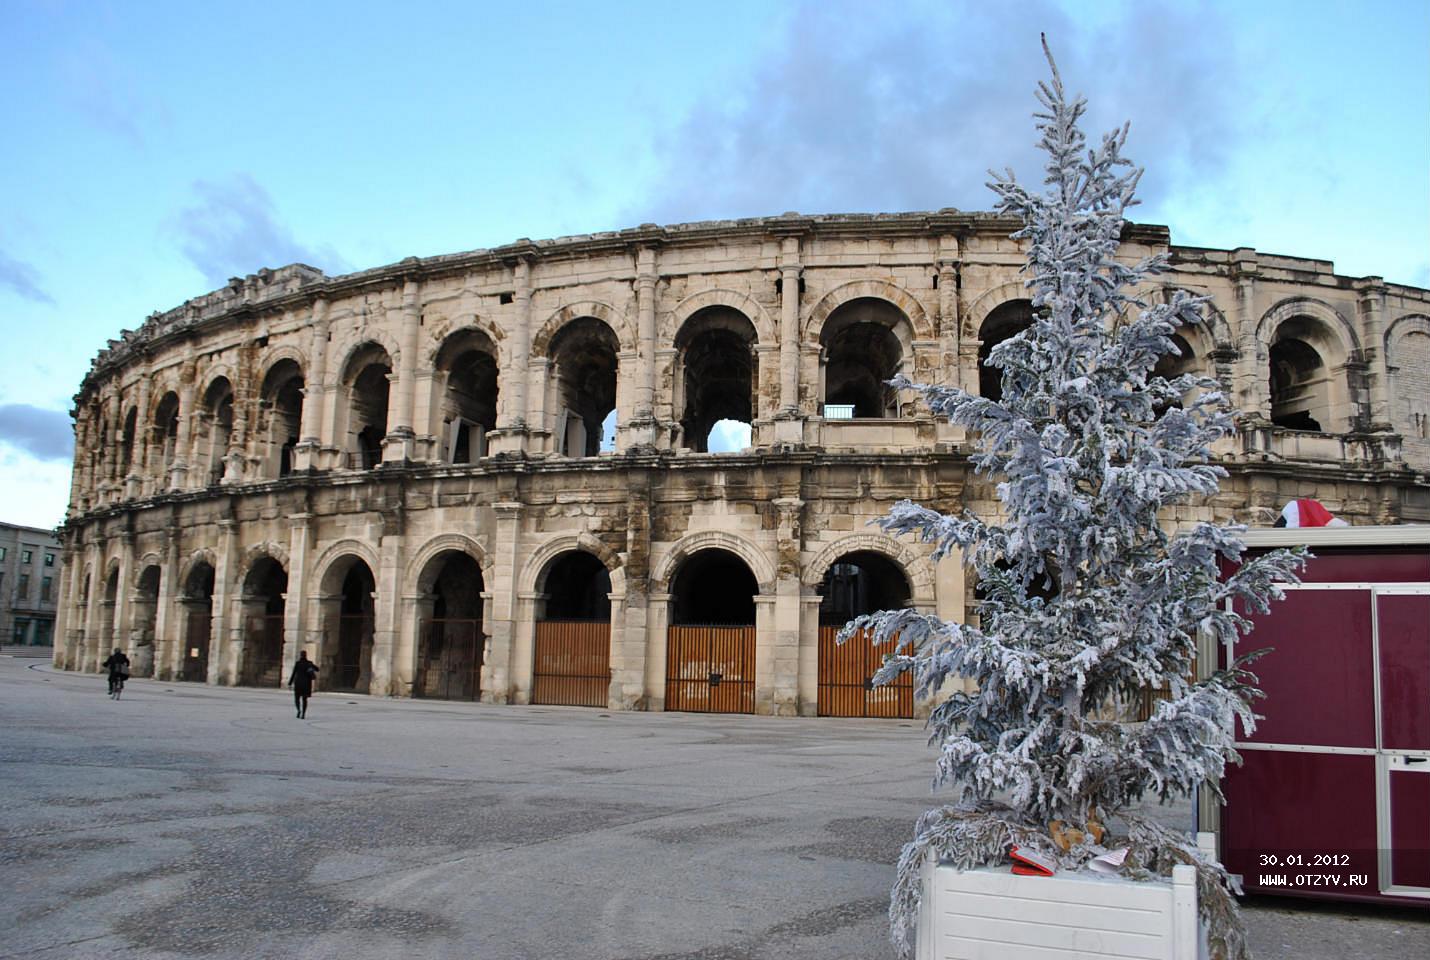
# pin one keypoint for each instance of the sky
(152, 150)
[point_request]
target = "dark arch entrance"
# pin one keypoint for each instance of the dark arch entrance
(348, 614)
(855, 584)
(572, 665)
(197, 602)
(710, 647)
(146, 613)
(1004, 322)
(263, 602)
(450, 640)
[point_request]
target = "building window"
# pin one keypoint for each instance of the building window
(2, 552)
(45, 588)
(26, 556)
(49, 559)
(24, 589)
(43, 630)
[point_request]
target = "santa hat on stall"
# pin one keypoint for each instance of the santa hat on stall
(1308, 513)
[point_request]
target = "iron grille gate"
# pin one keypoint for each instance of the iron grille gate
(197, 626)
(846, 673)
(451, 663)
(354, 635)
(573, 663)
(710, 669)
(262, 651)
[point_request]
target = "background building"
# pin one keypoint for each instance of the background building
(29, 584)
(488, 474)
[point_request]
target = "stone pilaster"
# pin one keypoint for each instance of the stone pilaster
(294, 605)
(399, 444)
(499, 615)
(226, 630)
(516, 408)
(786, 612)
(1372, 311)
(315, 390)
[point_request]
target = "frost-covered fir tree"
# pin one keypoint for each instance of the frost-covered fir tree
(1087, 600)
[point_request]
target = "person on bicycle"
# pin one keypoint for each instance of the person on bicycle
(118, 667)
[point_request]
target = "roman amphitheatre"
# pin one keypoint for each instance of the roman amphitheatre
(488, 475)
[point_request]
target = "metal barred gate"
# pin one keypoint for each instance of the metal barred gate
(846, 687)
(710, 669)
(198, 624)
(345, 670)
(451, 660)
(262, 651)
(573, 663)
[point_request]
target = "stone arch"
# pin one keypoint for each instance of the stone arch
(765, 331)
(916, 567)
(276, 355)
(258, 551)
(368, 337)
(610, 316)
(201, 555)
(584, 541)
(142, 563)
(991, 300)
(1212, 327)
(439, 544)
(872, 289)
(753, 557)
(212, 374)
(1400, 327)
(339, 551)
(1336, 325)
(440, 331)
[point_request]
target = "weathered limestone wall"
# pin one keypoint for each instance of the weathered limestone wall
(190, 452)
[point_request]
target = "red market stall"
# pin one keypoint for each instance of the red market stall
(1332, 799)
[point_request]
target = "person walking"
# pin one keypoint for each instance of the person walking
(301, 680)
(118, 667)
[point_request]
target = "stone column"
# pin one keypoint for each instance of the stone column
(1372, 308)
(516, 417)
(139, 455)
(399, 443)
(656, 621)
(315, 389)
(643, 429)
(93, 596)
(179, 468)
(809, 654)
(783, 636)
(226, 630)
(499, 615)
(123, 605)
(950, 590)
(294, 604)
(767, 688)
(168, 627)
(1253, 388)
(393, 635)
(787, 427)
(66, 614)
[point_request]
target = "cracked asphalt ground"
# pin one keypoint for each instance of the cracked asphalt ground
(190, 821)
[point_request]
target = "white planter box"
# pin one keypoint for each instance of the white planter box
(992, 913)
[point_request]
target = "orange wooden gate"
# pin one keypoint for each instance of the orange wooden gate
(573, 663)
(846, 672)
(710, 669)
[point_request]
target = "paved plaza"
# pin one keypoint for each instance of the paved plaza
(193, 821)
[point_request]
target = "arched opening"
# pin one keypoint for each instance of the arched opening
(572, 664)
(126, 444)
(108, 606)
(197, 602)
(164, 447)
(281, 422)
(468, 368)
(216, 426)
(367, 385)
(1006, 321)
(263, 601)
(1300, 382)
(716, 347)
(146, 615)
(583, 381)
(710, 652)
(451, 643)
(348, 609)
(866, 342)
(856, 584)
(1173, 365)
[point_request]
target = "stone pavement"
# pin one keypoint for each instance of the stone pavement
(190, 821)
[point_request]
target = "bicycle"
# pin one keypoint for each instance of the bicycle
(116, 685)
